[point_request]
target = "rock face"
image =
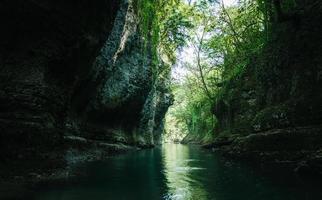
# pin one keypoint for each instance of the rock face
(275, 106)
(282, 86)
(75, 69)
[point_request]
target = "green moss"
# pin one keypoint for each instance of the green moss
(272, 117)
(149, 28)
(242, 127)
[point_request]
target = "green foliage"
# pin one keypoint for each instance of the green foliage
(190, 114)
(149, 30)
(163, 25)
(224, 39)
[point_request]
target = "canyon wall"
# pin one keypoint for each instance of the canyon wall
(273, 110)
(76, 76)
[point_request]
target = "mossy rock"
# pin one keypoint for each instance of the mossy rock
(242, 126)
(288, 139)
(272, 117)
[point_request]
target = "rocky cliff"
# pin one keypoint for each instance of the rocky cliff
(76, 78)
(273, 110)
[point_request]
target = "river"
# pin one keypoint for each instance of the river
(175, 172)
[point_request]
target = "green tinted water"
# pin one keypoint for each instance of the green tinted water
(180, 172)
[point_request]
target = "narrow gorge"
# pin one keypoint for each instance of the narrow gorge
(98, 89)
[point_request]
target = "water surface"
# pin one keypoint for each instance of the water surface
(175, 172)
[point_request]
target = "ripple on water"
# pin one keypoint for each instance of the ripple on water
(187, 169)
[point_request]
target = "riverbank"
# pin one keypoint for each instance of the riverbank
(299, 148)
(20, 177)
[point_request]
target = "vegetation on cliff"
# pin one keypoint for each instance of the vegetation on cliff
(221, 43)
(81, 81)
(246, 68)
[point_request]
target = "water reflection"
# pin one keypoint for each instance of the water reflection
(177, 172)
(181, 174)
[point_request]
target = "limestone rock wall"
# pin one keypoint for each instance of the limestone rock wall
(273, 111)
(282, 86)
(73, 69)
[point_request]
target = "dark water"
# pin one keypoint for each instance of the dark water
(180, 172)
